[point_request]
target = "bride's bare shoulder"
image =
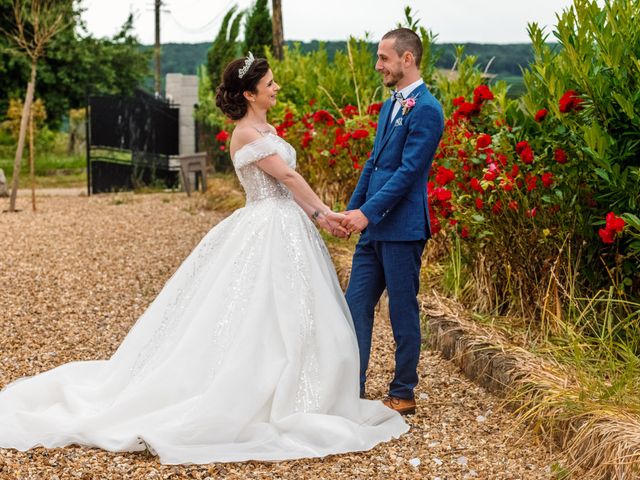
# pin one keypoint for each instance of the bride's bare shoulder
(241, 136)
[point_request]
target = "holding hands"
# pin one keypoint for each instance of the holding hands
(354, 221)
(331, 222)
(341, 225)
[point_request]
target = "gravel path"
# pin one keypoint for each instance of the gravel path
(77, 274)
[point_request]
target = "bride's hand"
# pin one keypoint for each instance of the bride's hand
(331, 222)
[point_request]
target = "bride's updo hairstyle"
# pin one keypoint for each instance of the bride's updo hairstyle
(229, 94)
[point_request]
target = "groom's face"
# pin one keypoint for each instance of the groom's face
(389, 63)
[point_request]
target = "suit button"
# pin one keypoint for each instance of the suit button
(375, 168)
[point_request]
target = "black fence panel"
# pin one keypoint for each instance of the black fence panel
(130, 142)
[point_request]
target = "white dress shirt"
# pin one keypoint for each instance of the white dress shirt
(405, 93)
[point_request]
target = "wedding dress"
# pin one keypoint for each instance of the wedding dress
(248, 352)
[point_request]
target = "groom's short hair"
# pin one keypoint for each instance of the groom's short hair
(406, 40)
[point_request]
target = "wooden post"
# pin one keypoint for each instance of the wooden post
(32, 161)
(278, 34)
(17, 163)
(158, 4)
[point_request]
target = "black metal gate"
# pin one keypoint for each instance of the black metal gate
(130, 142)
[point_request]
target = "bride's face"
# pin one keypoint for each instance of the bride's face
(389, 63)
(266, 92)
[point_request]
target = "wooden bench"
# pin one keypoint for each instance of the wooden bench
(193, 163)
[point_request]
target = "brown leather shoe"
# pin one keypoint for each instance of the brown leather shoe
(401, 405)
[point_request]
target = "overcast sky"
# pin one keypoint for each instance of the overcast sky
(455, 21)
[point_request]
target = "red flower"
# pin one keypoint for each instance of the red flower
(547, 179)
(465, 111)
(570, 101)
(222, 136)
(614, 223)
(513, 205)
(479, 203)
(374, 108)
(458, 101)
(312, 102)
(560, 156)
(444, 176)
(532, 183)
(306, 139)
(541, 115)
(464, 233)
(332, 162)
(607, 236)
(490, 176)
(522, 146)
(482, 93)
(484, 141)
(222, 148)
(475, 184)
(350, 111)
(527, 155)
(532, 213)
(442, 194)
(360, 133)
(322, 116)
(435, 225)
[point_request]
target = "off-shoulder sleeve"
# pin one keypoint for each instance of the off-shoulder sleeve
(254, 151)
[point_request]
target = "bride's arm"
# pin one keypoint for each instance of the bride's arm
(302, 192)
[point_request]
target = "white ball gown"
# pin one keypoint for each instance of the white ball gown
(247, 353)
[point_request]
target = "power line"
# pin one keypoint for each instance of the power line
(207, 25)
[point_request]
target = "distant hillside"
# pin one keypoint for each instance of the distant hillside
(185, 57)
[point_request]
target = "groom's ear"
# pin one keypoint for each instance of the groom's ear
(408, 58)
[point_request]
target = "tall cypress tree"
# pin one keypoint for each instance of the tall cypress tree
(257, 30)
(225, 47)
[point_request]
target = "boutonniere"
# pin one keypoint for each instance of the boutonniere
(407, 105)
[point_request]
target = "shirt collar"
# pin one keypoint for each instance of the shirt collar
(410, 88)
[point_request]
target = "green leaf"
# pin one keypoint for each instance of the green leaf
(626, 104)
(601, 172)
(477, 218)
(632, 220)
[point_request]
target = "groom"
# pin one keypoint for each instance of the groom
(389, 206)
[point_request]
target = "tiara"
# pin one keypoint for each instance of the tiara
(247, 65)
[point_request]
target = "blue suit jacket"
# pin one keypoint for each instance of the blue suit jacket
(392, 189)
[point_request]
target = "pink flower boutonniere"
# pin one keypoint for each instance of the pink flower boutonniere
(407, 105)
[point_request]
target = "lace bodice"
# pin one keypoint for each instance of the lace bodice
(257, 184)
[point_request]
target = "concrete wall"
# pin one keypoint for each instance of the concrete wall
(182, 90)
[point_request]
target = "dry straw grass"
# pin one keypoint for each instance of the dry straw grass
(601, 441)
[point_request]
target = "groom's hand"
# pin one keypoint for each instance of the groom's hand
(332, 224)
(355, 221)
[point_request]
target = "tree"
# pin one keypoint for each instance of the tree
(258, 33)
(278, 34)
(34, 28)
(225, 46)
(74, 63)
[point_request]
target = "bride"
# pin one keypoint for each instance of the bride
(247, 353)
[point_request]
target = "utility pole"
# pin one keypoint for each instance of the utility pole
(278, 35)
(158, 4)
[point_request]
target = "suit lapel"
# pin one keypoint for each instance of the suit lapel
(383, 120)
